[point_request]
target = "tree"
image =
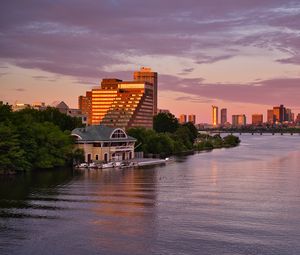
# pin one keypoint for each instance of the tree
(165, 122)
(11, 154)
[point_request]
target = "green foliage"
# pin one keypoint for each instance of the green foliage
(207, 142)
(11, 154)
(31, 139)
(165, 122)
(231, 140)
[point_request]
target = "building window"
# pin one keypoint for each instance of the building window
(97, 157)
(118, 133)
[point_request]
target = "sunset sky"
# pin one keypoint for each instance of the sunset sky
(240, 54)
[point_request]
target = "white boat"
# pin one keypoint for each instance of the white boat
(82, 165)
(108, 165)
(93, 165)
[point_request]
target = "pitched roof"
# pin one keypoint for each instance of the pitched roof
(99, 133)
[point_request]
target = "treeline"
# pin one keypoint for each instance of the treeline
(32, 139)
(208, 142)
(168, 137)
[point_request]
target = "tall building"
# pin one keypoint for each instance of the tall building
(238, 120)
(223, 116)
(215, 115)
(85, 105)
(279, 113)
(192, 118)
(288, 115)
(257, 119)
(123, 104)
(270, 116)
(146, 74)
(298, 118)
(182, 119)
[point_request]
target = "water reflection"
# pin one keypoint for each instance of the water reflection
(238, 201)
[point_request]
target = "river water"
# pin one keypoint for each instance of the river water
(244, 200)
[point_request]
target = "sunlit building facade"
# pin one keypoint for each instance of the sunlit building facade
(215, 115)
(147, 75)
(270, 116)
(85, 105)
(182, 118)
(239, 120)
(192, 118)
(223, 116)
(120, 104)
(257, 119)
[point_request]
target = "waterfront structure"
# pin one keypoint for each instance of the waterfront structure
(238, 120)
(223, 116)
(102, 143)
(192, 118)
(147, 75)
(257, 119)
(182, 118)
(215, 115)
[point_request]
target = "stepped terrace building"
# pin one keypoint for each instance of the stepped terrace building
(101, 143)
(122, 104)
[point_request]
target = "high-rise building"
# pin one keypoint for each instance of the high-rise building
(298, 118)
(123, 104)
(223, 116)
(279, 113)
(288, 115)
(270, 116)
(146, 74)
(192, 118)
(257, 119)
(182, 119)
(238, 120)
(215, 115)
(85, 105)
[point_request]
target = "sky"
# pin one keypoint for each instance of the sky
(243, 55)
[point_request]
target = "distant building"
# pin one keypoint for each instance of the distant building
(215, 115)
(288, 115)
(192, 118)
(145, 74)
(257, 119)
(85, 105)
(101, 143)
(61, 106)
(38, 106)
(163, 111)
(20, 106)
(298, 118)
(270, 117)
(223, 116)
(239, 120)
(279, 113)
(182, 118)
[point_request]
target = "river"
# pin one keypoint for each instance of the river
(243, 200)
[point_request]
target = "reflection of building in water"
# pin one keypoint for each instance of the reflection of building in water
(101, 143)
(126, 209)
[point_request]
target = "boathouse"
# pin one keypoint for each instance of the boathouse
(102, 143)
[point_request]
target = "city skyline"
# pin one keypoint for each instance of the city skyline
(53, 51)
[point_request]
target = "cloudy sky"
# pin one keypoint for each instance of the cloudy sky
(240, 54)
